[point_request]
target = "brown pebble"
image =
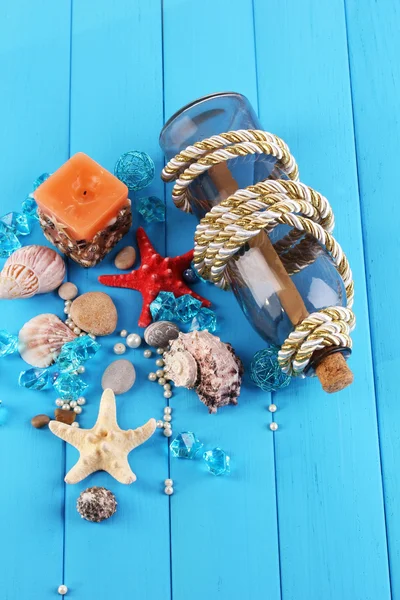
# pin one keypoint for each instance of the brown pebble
(40, 421)
(65, 416)
(125, 258)
(95, 313)
(334, 373)
(68, 291)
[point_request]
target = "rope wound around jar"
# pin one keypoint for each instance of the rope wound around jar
(319, 339)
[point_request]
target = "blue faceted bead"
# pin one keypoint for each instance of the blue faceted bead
(8, 343)
(29, 208)
(35, 378)
(266, 372)
(205, 319)
(151, 208)
(70, 386)
(17, 223)
(3, 414)
(9, 242)
(135, 169)
(217, 461)
(40, 180)
(187, 307)
(190, 276)
(163, 307)
(185, 445)
(75, 353)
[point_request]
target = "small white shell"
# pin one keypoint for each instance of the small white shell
(31, 270)
(41, 338)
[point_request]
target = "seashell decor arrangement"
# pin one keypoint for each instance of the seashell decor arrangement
(40, 340)
(201, 361)
(31, 270)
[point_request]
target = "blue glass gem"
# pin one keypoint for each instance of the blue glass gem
(3, 414)
(40, 180)
(8, 343)
(151, 208)
(205, 319)
(190, 276)
(266, 372)
(163, 307)
(185, 445)
(8, 242)
(187, 307)
(17, 223)
(70, 386)
(29, 208)
(75, 353)
(35, 379)
(135, 169)
(217, 461)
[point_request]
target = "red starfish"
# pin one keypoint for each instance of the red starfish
(155, 274)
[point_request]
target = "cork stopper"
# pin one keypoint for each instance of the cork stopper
(334, 373)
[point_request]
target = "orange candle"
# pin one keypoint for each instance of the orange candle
(84, 209)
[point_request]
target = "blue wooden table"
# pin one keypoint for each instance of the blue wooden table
(309, 512)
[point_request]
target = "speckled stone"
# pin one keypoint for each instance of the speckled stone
(160, 333)
(68, 291)
(119, 376)
(96, 504)
(65, 416)
(40, 421)
(125, 258)
(95, 313)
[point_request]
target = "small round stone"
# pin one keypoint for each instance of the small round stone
(81, 401)
(123, 333)
(73, 403)
(125, 258)
(159, 362)
(160, 424)
(160, 373)
(66, 407)
(272, 408)
(162, 380)
(167, 386)
(273, 426)
(160, 333)
(96, 504)
(160, 350)
(167, 409)
(59, 402)
(169, 490)
(119, 376)
(77, 410)
(167, 418)
(168, 394)
(167, 432)
(62, 589)
(147, 353)
(68, 291)
(80, 370)
(119, 348)
(133, 340)
(152, 376)
(75, 424)
(94, 312)
(40, 421)
(169, 482)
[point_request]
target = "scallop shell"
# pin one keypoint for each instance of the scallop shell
(31, 270)
(41, 338)
(200, 360)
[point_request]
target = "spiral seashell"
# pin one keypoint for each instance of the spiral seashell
(31, 270)
(40, 339)
(200, 360)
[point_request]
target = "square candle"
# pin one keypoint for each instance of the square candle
(83, 209)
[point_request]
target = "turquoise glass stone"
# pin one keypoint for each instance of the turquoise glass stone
(29, 208)
(75, 353)
(151, 208)
(35, 378)
(266, 372)
(40, 180)
(135, 169)
(185, 445)
(8, 343)
(70, 386)
(205, 319)
(8, 241)
(17, 223)
(217, 461)
(163, 307)
(187, 307)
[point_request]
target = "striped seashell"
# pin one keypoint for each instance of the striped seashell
(40, 340)
(31, 270)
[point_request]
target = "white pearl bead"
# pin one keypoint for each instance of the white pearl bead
(119, 348)
(159, 362)
(273, 426)
(133, 340)
(167, 432)
(82, 334)
(68, 302)
(66, 310)
(272, 408)
(152, 376)
(167, 386)
(123, 333)
(68, 321)
(72, 403)
(59, 402)
(169, 490)
(162, 381)
(81, 370)
(160, 350)
(160, 373)
(167, 409)
(169, 482)
(160, 424)
(81, 401)
(91, 335)
(62, 590)
(147, 353)
(167, 394)
(167, 418)
(77, 330)
(75, 424)
(65, 407)
(71, 325)
(78, 410)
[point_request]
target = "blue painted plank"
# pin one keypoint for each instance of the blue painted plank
(329, 488)
(373, 37)
(223, 530)
(116, 105)
(34, 49)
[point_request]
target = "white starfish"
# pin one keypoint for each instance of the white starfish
(106, 446)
